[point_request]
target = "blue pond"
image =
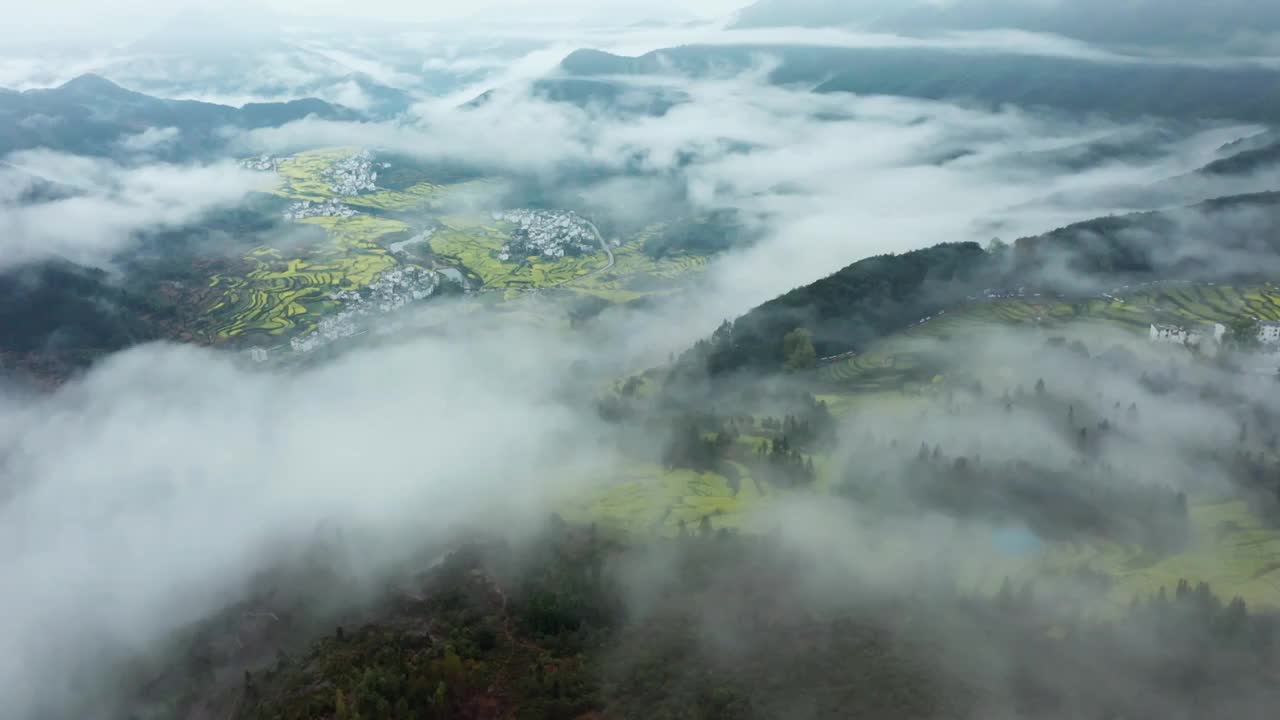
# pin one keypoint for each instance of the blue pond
(1017, 540)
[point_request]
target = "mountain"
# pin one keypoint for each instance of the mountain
(19, 186)
(1246, 161)
(1150, 24)
(1080, 86)
(91, 115)
(68, 311)
(881, 295)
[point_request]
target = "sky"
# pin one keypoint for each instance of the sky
(62, 21)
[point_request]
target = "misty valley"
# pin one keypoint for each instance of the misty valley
(593, 361)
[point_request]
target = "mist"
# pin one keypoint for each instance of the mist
(169, 487)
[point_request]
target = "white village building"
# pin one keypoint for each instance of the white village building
(1269, 333)
(1188, 334)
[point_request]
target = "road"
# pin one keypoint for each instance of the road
(604, 245)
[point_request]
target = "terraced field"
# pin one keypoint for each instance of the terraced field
(282, 294)
(474, 242)
(650, 500)
(285, 291)
(891, 361)
(636, 275)
(1233, 552)
(302, 177)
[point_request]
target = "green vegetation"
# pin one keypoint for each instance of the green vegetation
(477, 637)
(474, 243)
(59, 317)
(291, 294)
(902, 359)
(797, 347)
(276, 291)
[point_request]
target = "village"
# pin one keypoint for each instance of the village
(1210, 338)
(262, 163)
(354, 174)
(391, 291)
(307, 209)
(547, 234)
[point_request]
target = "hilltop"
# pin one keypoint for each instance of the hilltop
(91, 115)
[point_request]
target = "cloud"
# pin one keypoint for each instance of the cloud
(828, 179)
(189, 474)
(143, 496)
(112, 202)
(153, 138)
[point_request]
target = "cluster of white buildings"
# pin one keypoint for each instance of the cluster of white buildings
(546, 233)
(326, 208)
(391, 291)
(262, 163)
(354, 174)
(1018, 294)
(1215, 333)
(1194, 334)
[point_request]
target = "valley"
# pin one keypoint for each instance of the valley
(795, 360)
(370, 232)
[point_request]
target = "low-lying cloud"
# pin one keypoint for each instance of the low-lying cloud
(106, 203)
(145, 495)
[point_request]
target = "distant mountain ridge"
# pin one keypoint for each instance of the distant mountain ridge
(1226, 239)
(90, 115)
(1125, 90)
(1223, 25)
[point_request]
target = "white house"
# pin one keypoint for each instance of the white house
(1269, 333)
(258, 355)
(1188, 334)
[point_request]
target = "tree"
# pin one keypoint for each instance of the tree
(340, 710)
(1040, 387)
(797, 348)
(1242, 334)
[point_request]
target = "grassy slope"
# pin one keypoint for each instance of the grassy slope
(1233, 551)
(885, 364)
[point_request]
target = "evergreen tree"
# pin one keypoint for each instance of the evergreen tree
(797, 348)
